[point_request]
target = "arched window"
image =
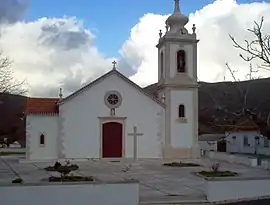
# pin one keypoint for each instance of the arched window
(42, 139)
(181, 111)
(161, 64)
(181, 61)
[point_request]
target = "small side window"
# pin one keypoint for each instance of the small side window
(245, 141)
(42, 139)
(266, 142)
(181, 111)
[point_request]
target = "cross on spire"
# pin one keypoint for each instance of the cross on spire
(60, 93)
(114, 65)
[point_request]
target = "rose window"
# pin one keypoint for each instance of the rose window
(113, 99)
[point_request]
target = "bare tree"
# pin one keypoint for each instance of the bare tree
(8, 84)
(259, 48)
(221, 112)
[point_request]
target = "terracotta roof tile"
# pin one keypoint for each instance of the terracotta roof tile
(42, 106)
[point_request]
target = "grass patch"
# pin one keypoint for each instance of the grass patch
(11, 153)
(218, 174)
(181, 164)
(17, 181)
(71, 179)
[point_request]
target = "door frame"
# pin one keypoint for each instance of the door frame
(120, 120)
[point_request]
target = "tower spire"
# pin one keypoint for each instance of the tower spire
(177, 21)
(176, 6)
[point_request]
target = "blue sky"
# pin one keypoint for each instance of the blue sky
(110, 22)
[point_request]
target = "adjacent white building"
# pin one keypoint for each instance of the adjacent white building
(247, 141)
(112, 117)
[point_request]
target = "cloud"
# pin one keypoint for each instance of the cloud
(53, 53)
(214, 23)
(60, 52)
(140, 49)
(12, 10)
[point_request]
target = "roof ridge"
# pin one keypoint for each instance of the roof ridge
(74, 94)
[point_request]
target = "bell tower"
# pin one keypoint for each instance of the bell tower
(177, 85)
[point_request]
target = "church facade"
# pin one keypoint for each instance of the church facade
(112, 117)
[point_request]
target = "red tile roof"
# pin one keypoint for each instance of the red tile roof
(42, 106)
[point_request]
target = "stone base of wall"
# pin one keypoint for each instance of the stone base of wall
(181, 153)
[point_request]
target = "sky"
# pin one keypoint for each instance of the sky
(67, 44)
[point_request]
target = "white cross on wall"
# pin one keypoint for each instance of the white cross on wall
(135, 134)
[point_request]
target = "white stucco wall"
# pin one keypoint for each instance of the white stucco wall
(237, 144)
(37, 125)
(85, 194)
(82, 125)
(233, 189)
(182, 133)
(173, 60)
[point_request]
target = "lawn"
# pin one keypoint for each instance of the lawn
(3, 153)
(218, 174)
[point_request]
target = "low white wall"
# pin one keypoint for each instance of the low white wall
(208, 145)
(223, 156)
(233, 189)
(76, 194)
(265, 164)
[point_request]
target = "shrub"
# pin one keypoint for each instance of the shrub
(215, 167)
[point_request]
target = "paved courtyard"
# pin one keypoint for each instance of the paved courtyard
(157, 182)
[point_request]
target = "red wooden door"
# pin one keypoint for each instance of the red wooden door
(112, 140)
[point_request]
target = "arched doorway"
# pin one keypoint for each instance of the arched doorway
(112, 140)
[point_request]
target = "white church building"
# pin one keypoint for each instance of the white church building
(112, 117)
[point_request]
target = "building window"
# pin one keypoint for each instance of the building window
(42, 139)
(113, 99)
(265, 142)
(161, 64)
(181, 61)
(245, 141)
(181, 111)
